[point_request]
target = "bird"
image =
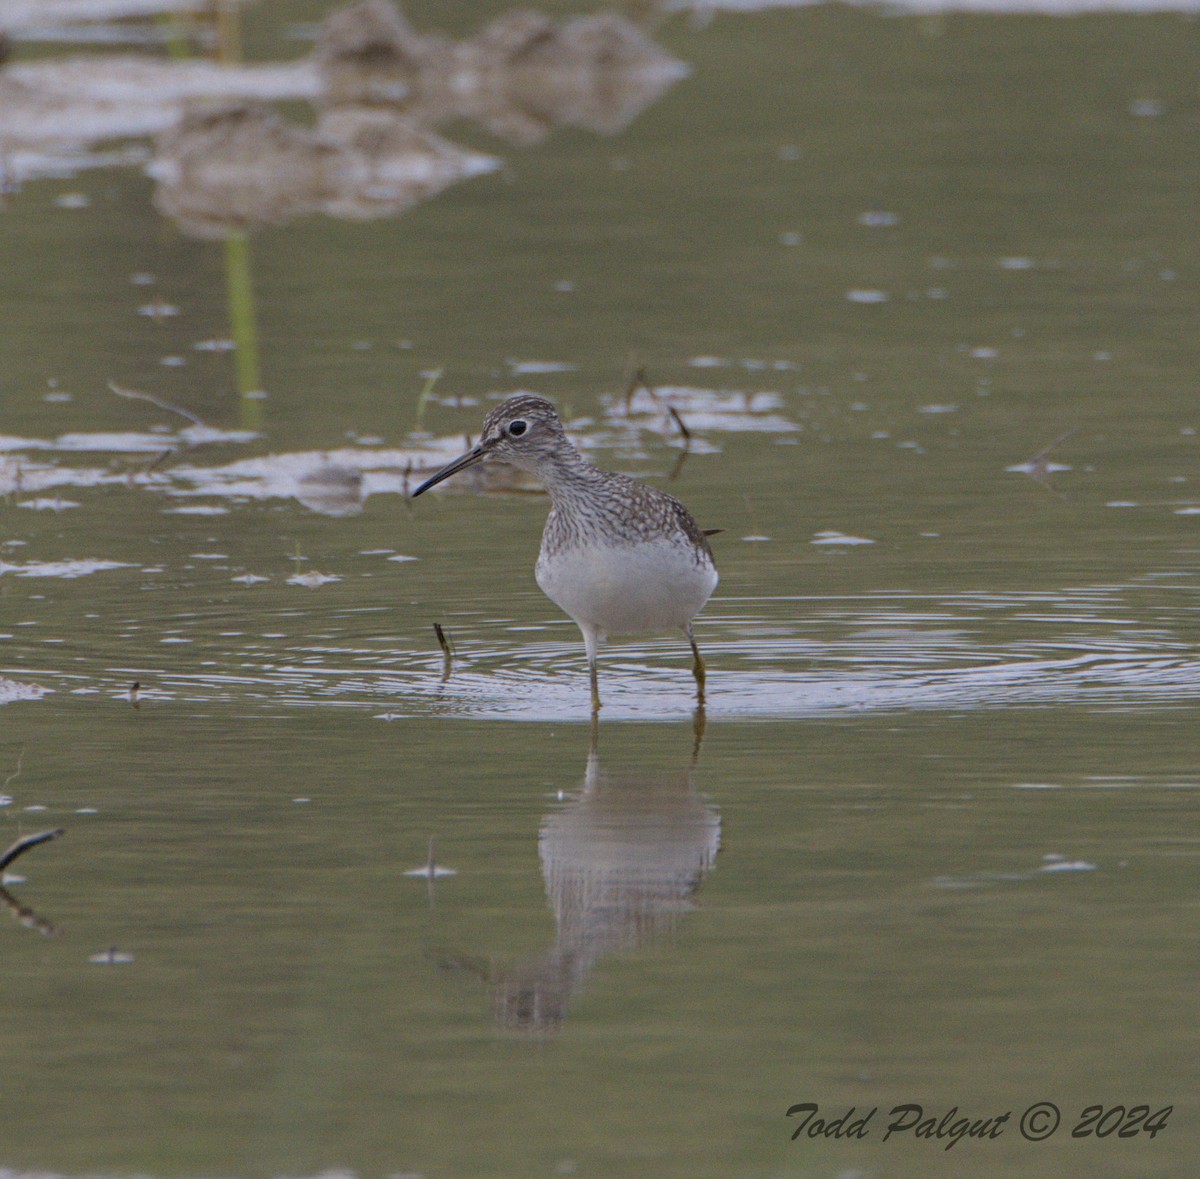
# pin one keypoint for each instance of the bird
(618, 556)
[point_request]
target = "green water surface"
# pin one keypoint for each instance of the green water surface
(951, 772)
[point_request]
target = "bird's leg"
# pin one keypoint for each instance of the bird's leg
(697, 665)
(699, 724)
(591, 644)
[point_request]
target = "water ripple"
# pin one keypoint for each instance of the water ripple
(1103, 647)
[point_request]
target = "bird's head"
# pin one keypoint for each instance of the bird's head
(523, 430)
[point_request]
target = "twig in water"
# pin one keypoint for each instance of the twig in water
(640, 381)
(678, 467)
(636, 382)
(134, 395)
(16, 773)
(1040, 457)
(26, 916)
(1038, 468)
(687, 434)
(447, 664)
(25, 843)
(687, 443)
(163, 454)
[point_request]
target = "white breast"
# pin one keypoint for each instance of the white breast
(639, 588)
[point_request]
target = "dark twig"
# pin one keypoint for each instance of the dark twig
(687, 434)
(17, 772)
(163, 455)
(1040, 457)
(640, 381)
(687, 443)
(636, 382)
(447, 653)
(678, 467)
(26, 916)
(25, 843)
(1038, 467)
(134, 395)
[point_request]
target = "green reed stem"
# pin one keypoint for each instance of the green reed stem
(240, 287)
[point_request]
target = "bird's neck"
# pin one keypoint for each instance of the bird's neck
(569, 477)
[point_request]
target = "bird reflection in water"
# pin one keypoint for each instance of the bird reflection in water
(520, 77)
(622, 860)
(381, 89)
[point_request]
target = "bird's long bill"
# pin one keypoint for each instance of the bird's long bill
(459, 464)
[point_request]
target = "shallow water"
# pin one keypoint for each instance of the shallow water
(937, 843)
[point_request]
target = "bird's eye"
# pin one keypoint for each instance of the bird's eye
(517, 428)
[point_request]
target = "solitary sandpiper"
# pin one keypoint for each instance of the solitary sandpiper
(620, 557)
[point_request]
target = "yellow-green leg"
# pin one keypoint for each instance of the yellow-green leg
(697, 666)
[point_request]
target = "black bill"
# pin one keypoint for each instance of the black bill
(459, 464)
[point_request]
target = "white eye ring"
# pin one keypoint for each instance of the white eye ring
(517, 428)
